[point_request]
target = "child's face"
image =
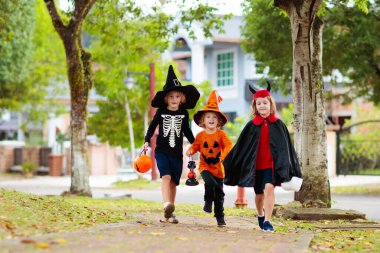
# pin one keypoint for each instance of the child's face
(174, 100)
(263, 106)
(211, 120)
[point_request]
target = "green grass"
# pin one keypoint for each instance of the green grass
(27, 214)
(346, 241)
(24, 215)
(137, 184)
(370, 189)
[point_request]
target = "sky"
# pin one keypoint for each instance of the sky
(226, 6)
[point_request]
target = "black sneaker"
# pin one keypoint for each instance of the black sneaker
(207, 207)
(267, 227)
(261, 221)
(220, 221)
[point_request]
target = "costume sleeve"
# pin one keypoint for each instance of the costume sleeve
(195, 147)
(152, 126)
(186, 128)
(227, 145)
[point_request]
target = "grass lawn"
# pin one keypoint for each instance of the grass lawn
(137, 184)
(370, 189)
(23, 215)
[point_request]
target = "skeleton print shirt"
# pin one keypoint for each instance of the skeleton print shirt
(172, 126)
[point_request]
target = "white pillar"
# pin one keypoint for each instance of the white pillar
(197, 63)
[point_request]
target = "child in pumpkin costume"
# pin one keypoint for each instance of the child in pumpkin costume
(213, 145)
(263, 156)
(172, 120)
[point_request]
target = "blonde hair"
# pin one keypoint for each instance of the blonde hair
(273, 109)
(202, 124)
(183, 97)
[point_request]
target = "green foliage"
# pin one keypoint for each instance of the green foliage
(266, 33)
(28, 167)
(287, 116)
(357, 33)
(204, 89)
(233, 129)
(16, 32)
(350, 43)
(128, 39)
(47, 71)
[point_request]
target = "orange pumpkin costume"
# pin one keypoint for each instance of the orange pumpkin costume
(213, 149)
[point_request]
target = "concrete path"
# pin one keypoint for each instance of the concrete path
(147, 234)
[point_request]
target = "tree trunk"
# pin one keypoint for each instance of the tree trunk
(80, 81)
(309, 113)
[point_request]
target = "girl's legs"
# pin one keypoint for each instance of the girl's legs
(259, 201)
(166, 188)
(268, 200)
(172, 191)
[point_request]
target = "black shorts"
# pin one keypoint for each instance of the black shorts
(169, 165)
(262, 177)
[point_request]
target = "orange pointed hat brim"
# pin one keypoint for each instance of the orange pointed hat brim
(211, 106)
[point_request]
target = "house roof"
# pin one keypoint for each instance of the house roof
(232, 31)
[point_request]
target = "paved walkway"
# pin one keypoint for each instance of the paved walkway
(147, 234)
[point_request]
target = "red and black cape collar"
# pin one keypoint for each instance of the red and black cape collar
(258, 120)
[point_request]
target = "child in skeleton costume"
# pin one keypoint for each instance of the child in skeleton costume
(172, 119)
(263, 156)
(213, 145)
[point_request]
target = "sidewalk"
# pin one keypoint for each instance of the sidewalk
(192, 234)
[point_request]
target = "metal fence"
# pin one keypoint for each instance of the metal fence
(358, 154)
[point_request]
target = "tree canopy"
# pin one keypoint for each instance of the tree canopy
(350, 43)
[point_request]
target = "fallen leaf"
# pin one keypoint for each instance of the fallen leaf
(60, 240)
(27, 241)
(157, 233)
(42, 245)
(181, 238)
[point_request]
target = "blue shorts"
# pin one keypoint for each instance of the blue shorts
(169, 165)
(262, 177)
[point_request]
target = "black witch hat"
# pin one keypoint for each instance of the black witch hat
(173, 84)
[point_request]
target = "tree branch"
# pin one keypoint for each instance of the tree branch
(82, 8)
(55, 18)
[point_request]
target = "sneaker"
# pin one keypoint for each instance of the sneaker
(267, 227)
(220, 221)
(261, 221)
(207, 207)
(168, 210)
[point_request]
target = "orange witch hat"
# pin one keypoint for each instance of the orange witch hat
(212, 105)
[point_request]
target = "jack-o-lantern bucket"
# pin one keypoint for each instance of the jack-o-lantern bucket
(143, 163)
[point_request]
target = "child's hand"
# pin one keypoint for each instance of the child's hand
(146, 145)
(188, 153)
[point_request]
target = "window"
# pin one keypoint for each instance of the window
(225, 69)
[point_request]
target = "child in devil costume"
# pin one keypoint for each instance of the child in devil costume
(172, 119)
(213, 145)
(263, 156)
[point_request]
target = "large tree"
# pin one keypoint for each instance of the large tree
(79, 69)
(80, 81)
(304, 46)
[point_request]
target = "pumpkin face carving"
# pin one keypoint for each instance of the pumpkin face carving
(210, 152)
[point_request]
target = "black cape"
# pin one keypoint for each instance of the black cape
(239, 163)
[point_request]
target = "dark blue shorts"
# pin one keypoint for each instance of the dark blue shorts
(169, 165)
(262, 177)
